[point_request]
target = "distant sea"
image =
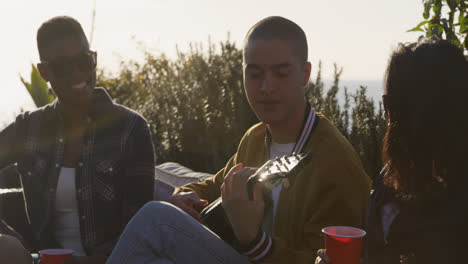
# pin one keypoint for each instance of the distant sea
(374, 88)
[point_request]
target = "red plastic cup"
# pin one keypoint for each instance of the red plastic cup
(343, 244)
(55, 256)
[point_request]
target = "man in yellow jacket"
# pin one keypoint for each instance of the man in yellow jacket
(332, 189)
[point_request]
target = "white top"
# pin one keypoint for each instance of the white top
(276, 150)
(67, 225)
(389, 212)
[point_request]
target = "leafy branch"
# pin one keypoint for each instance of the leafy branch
(451, 25)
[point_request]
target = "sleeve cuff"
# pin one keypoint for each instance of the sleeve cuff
(261, 247)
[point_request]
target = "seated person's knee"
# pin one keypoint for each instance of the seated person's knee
(12, 251)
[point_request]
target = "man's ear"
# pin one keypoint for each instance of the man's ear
(307, 71)
(42, 71)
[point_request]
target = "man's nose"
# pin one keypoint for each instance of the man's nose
(267, 85)
(76, 73)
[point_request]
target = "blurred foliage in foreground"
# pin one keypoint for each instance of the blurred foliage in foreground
(198, 112)
(38, 88)
(451, 25)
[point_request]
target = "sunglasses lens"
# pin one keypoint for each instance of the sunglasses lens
(84, 63)
(61, 69)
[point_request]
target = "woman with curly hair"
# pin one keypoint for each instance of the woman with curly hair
(418, 211)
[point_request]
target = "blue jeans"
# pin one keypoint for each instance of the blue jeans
(162, 233)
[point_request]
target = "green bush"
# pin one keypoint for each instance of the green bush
(198, 112)
(357, 119)
(195, 104)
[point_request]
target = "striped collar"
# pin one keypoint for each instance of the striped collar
(308, 125)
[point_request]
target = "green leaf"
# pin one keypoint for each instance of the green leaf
(453, 38)
(445, 23)
(437, 8)
(427, 9)
(464, 21)
(450, 35)
(418, 27)
(465, 43)
(25, 83)
(37, 88)
(460, 18)
(452, 4)
(434, 30)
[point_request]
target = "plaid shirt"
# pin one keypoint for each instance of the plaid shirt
(114, 171)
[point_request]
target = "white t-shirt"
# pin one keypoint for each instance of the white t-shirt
(276, 150)
(67, 225)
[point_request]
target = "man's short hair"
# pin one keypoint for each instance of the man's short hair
(276, 27)
(56, 28)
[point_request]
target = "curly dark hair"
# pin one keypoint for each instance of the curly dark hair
(426, 105)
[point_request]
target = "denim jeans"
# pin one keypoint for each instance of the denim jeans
(162, 233)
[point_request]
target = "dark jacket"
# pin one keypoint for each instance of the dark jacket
(414, 235)
(114, 172)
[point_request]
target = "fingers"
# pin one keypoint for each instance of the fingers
(318, 260)
(193, 201)
(228, 179)
(223, 191)
(234, 169)
(191, 211)
(192, 198)
(200, 204)
(189, 202)
(258, 191)
(322, 257)
(235, 183)
(239, 179)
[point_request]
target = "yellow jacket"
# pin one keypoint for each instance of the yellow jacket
(332, 189)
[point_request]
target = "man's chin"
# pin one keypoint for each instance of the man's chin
(270, 120)
(268, 117)
(77, 99)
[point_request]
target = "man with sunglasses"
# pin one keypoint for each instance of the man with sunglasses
(86, 163)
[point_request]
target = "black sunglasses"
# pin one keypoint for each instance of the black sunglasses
(61, 68)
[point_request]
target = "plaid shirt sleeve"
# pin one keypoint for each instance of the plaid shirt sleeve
(9, 152)
(138, 177)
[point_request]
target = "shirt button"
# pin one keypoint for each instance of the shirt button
(29, 173)
(57, 165)
(61, 140)
(80, 164)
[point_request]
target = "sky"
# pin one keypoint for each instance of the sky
(358, 35)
